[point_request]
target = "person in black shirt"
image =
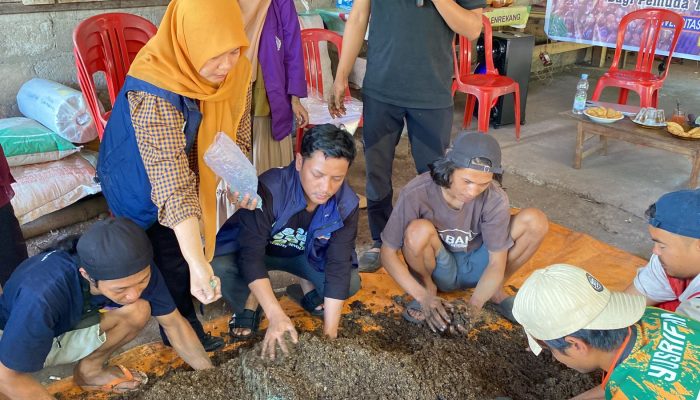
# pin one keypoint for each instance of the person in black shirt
(408, 81)
(307, 226)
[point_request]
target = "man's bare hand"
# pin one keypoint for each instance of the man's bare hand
(435, 312)
(276, 336)
(249, 202)
(336, 104)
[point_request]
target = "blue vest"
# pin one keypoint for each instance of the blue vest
(120, 167)
(286, 190)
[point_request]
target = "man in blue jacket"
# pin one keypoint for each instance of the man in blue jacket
(307, 226)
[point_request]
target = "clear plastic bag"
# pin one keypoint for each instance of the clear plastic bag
(227, 161)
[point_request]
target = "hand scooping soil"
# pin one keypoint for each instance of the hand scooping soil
(462, 318)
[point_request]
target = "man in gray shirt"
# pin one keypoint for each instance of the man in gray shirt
(409, 77)
(454, 228)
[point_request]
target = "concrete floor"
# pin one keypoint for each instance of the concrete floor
(606, 198)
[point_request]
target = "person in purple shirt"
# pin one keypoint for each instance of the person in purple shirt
(12, 246)
(278, 79)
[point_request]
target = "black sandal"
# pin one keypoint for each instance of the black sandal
(248, 319)
(308, 301)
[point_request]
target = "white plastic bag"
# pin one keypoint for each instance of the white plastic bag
(44, 188)
(318, 112)
(227, 161)
(57, 107)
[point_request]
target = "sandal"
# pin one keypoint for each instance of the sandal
(414, 305)
(248, 319)
(111, 386)
(308, 301)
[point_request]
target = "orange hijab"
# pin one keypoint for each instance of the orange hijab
(191, 33)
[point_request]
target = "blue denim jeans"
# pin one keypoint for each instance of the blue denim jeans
(235, 291)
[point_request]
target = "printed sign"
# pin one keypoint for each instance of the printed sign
(509, 16)
(596, 22)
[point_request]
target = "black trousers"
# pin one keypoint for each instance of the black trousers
(13, 249)
(171, 263)
(429, 133)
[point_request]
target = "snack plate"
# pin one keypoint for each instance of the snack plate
(601, 120)
(681, 137)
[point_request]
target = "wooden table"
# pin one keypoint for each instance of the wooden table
(628, 131)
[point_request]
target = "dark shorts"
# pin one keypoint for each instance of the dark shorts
(459, 270)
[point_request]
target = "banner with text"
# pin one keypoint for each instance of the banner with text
(596, 22)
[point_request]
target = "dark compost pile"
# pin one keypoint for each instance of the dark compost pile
(381, 356)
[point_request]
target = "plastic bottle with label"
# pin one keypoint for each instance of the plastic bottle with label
(581, 95)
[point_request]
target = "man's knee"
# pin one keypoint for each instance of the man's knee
(136, 314)
(418, 236)
(531, 222)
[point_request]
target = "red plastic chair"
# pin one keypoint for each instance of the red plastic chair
(487, 87)
(641, 80)
(107, 43)
(310, 39)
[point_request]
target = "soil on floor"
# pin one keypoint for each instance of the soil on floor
(382, 356)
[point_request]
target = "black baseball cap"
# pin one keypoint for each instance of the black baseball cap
(114, 248)
(470, 146)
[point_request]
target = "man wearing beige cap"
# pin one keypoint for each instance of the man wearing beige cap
(645, 353)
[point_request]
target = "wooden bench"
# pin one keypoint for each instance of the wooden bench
(630, 132)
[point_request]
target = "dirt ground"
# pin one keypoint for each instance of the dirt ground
(381, 356)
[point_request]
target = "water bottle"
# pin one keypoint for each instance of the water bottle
(581, 95)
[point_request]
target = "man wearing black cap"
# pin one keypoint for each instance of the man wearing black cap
(671, 279)
(454, 228)
(49, 312)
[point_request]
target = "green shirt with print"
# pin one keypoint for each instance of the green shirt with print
(664, 362)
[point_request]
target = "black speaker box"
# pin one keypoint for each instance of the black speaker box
(512, 56)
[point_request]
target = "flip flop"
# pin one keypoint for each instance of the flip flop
(505, 308)
(111, 386)
(248, 319)
(415, 306)
(308, 301)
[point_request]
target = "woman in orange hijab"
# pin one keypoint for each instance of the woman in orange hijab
(186, 84)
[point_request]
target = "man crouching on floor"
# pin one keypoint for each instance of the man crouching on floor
(454, 228)
(49, 312)
(645, 352)
(307, 226)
